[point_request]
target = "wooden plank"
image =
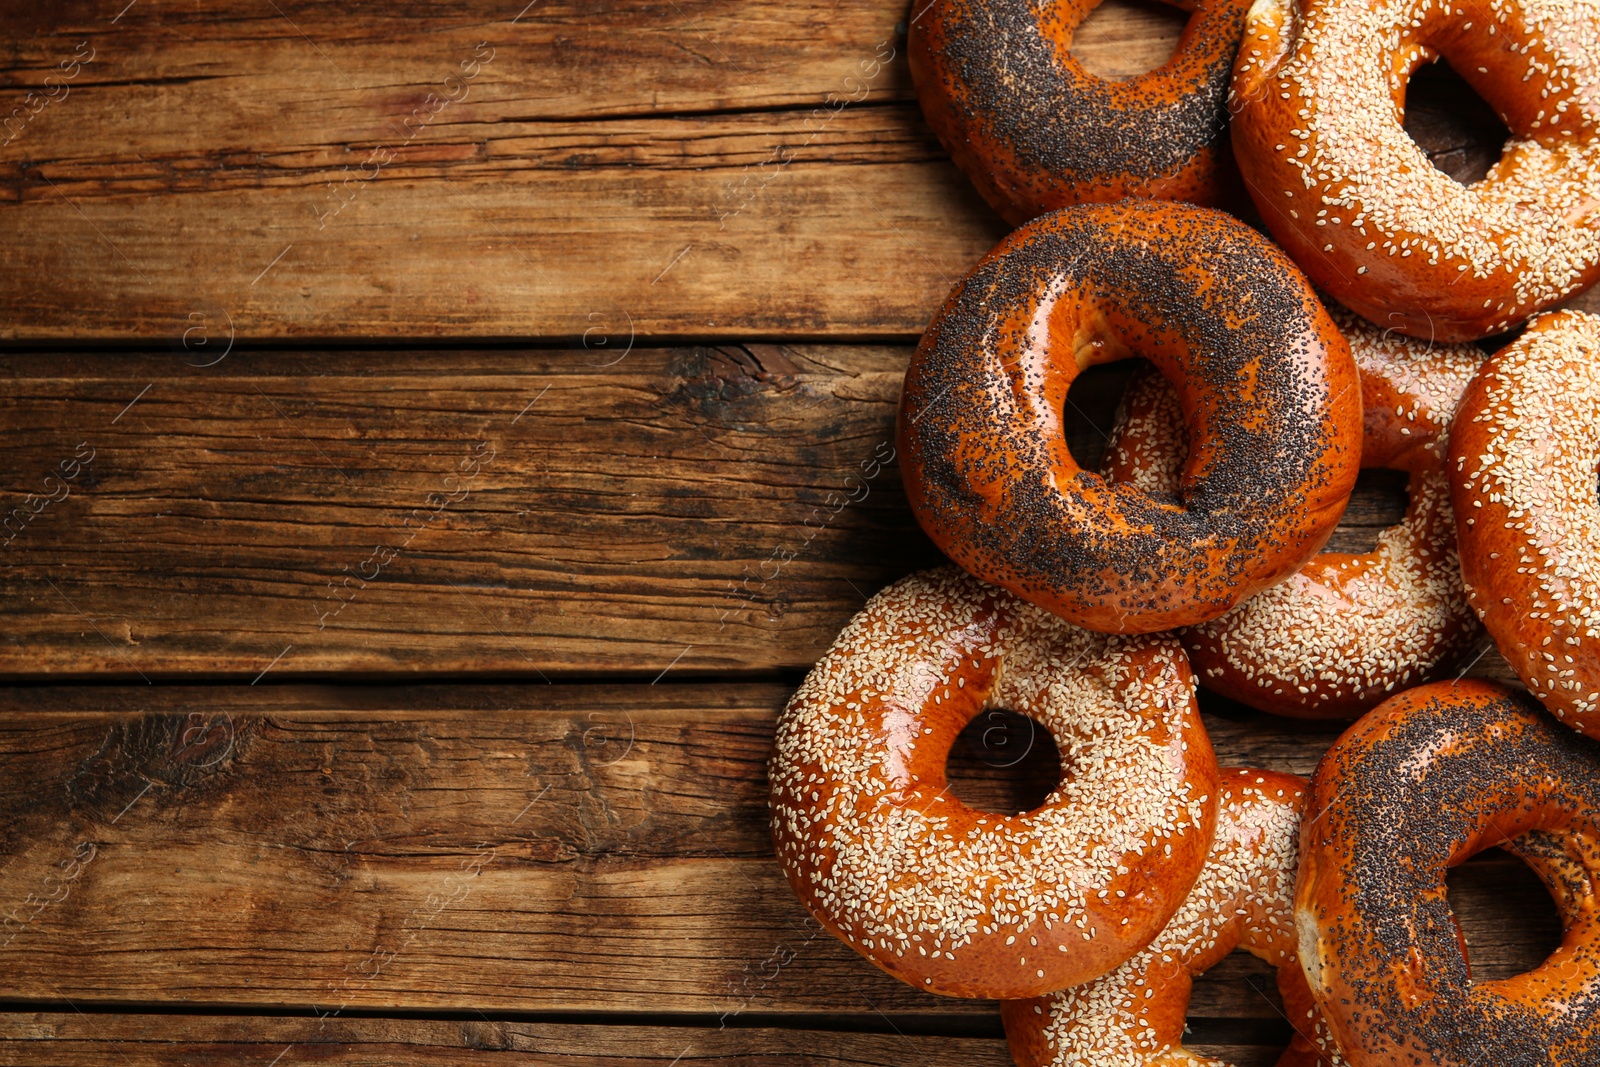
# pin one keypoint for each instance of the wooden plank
(455, 173)
(603, 510)
(570, 59)
(533, 848)
(352, 71)
(706, 169)
(674, 228)
(57, 1039)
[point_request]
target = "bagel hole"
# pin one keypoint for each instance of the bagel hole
(1122, 39)
(1003, 762)
(1504, 913)
(1091, 409)
(1378, 502)
(1454, 126)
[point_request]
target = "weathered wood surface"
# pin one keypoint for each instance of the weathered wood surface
(72, 1040)
(533, 848)
(535, 513)
(705, 169)
(697, 168)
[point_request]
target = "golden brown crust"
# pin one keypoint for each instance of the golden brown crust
(1313, 1043)
(1425, 781)
(1523, 454)
(1319, 98)
(970, 903)
(1263, 373)
(1135, 1015)
(1035, 131)
(1347, 629)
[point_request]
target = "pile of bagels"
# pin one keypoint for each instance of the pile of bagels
(1373, 312)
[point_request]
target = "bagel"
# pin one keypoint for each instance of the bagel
(1319, 95)
(1423, 782)
(1134, 1016)
(1265, 377)
(1347, 629)
(1523, 454)
(1035, 131)
(971, 903)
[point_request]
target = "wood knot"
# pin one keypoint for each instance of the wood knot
(160, 754)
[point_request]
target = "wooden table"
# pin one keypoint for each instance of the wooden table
(415, 412)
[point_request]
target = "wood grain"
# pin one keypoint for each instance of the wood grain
(696, 170)
(601, 511)
(573, 60)
(635, 161)
(71, 1040)
(674, 227)
(533, 848)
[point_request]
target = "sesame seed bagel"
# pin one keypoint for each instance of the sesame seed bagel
(971, 903)
(1423, 782)
(1319, 96)
(1035, 131)
(1347, 629)
(1263, 373)
(1244, 898)
(1523, 452)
